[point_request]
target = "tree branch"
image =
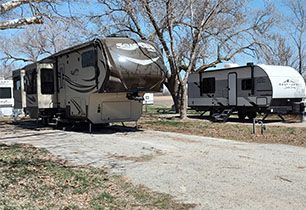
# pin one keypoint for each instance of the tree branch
(159, 34)
(20, 22)
(7, 6)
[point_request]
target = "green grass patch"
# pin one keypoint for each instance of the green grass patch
(32, 178)
(157, 110)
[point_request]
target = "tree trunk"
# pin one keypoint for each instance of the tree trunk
(174, 89)
(300, 59)
(183, 100)
(176, 101)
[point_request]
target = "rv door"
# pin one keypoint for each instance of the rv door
(17, 92)
(232, 89)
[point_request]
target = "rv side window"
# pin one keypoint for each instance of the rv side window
(89, 58)
(209, 85)
(31, 82)
(47, 81)
(246, 84)
(17, 83)
(5, 93)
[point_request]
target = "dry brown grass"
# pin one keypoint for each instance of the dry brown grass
(273, 134)
(32, 178)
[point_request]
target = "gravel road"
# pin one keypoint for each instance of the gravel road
(212, 173)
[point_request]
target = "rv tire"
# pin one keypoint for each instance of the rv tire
(44, 121)
(251, 115)
(241, 115)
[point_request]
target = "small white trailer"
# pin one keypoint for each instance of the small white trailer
(6, 97)
(100, 81)
(247, 90)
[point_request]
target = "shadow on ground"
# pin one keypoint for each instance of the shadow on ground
(76, 127)
(237, 120)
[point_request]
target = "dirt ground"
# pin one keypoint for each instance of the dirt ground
(211, 173)
(163, 101)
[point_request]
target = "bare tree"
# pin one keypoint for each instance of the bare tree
(6, 70)
(193, 34)
(297, 21)
(36, 42)
(16, 13)
(277, 51)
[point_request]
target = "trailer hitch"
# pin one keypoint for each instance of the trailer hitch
(134, 96)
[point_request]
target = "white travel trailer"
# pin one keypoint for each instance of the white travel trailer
(247, 90)
(101, 81)
(6, 97)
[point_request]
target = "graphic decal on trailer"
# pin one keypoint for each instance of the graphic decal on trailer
(138, 61)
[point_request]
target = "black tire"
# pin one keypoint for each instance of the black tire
(241, 115)
(251, 115)
(44, 121)
(211, 112)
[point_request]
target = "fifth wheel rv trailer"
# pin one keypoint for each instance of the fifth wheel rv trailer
(6, 97)
(247, 90)
(101, 81)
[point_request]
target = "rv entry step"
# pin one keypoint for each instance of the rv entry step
(223, 116)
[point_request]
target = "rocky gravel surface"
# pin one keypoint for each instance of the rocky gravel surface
(212, 173)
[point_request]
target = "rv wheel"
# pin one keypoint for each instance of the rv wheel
(251, 115)
(44, 121)
(241, 115)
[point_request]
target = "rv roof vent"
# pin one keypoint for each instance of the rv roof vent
(250, 64)
(231, 65)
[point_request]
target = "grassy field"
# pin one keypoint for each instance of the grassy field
(32, 178)
(234, 131)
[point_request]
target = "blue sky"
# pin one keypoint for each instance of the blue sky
(90, 7)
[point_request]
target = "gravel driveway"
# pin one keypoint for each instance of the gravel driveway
(212, 173)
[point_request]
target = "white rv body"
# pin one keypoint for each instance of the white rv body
(102, 81)
(286, 81)
(247, 89)
(6, 97)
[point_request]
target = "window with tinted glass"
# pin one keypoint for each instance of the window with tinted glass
(89, 58)
(209, 85)
(246, 84)
(5, 92)
(31, 82)
(47, 81)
